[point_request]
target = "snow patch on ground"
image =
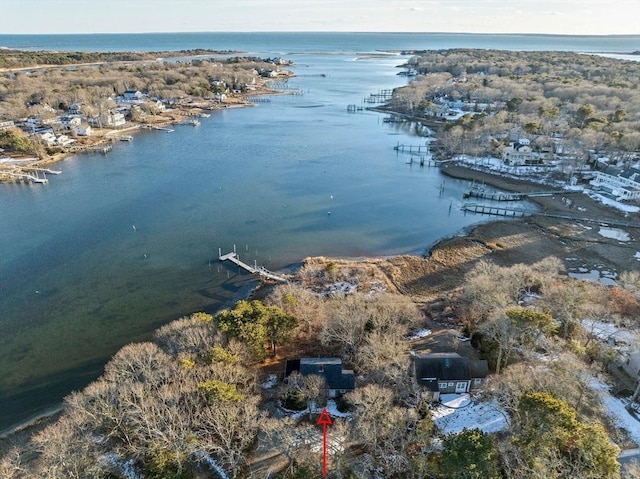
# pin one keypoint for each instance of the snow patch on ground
(613, 203)
(459, 411)
(332, 409)
(125, 468)
(617, 411)
(605, 331)
(271, 381)
(615, 233)
(637, 256)
(423, 333)
(339, 288)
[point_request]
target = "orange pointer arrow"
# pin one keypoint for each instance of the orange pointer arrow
(324, 420)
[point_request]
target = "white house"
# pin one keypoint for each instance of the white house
(520, 153)
(83, 130)
(623, 184)
(64, 140)
(48, 138)
(114, 119)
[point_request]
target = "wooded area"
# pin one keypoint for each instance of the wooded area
(590, 101)
(190, 401)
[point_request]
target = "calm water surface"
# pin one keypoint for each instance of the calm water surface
(120, 244)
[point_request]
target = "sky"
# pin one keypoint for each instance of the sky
(571, 17)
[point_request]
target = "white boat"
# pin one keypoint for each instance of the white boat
(126, 138)
(193, 122)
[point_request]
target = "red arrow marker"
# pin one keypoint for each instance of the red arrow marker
(324, 420)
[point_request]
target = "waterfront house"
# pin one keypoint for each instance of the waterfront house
(445, 373)
(83, 130)
(339, 381)
(114, 119)
(520, 153)
(618, 183)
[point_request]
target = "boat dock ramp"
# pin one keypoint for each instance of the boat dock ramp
(263, 272)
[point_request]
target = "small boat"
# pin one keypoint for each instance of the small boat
(193, 122)
(205, 115)
(126, 138)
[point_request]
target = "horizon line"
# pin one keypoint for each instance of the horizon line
(332, 32)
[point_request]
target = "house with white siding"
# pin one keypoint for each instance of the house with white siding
(621, 184)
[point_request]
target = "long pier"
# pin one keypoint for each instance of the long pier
(255, 269)
(479, 208)
(495, 196)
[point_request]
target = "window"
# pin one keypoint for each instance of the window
(442, 385)
(477, 381)
(321, 368)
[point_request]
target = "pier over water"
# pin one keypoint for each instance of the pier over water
(255, 269)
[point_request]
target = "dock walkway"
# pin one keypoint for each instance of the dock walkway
(479, 208)
(260, 270)
(495, 196)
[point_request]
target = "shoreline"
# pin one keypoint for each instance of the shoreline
(169, 118)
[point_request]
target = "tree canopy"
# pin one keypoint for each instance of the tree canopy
(257, 325)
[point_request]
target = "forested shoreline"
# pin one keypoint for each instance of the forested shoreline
(208, 392)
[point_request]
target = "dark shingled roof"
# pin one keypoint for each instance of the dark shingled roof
(329, 368)
(431, 368)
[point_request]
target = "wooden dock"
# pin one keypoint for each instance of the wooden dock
(495, 196)
(481, 209)
(25, 177)
(381, 97)
(412, 149)
(255, 269)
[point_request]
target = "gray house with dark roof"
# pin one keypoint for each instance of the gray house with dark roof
(339, 381)
(445, 373)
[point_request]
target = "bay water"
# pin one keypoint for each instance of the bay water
(120, 244)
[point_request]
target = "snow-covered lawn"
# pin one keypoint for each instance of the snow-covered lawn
(613, 203)
(331, 406)
(459, 411)
(605, 331)
(617, 411)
